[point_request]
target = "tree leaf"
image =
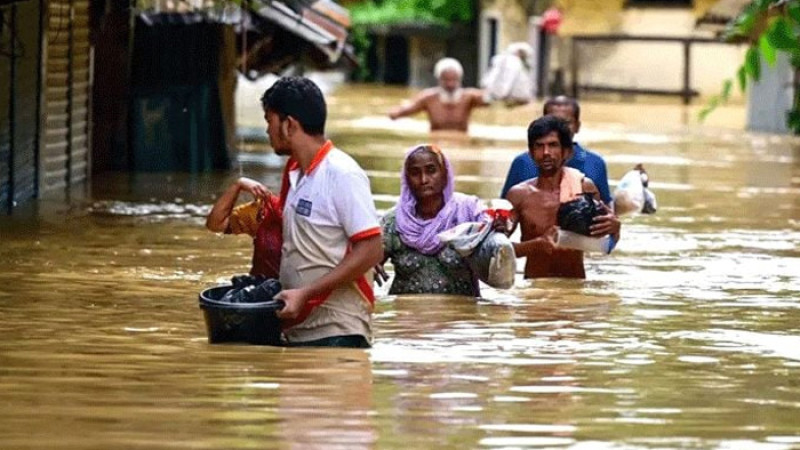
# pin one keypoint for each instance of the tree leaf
(752, 63)
(763, 5)
(726, 89)
(713, 102)
(741, 75)
(794, 11)
(780, 34)
(744, 23)
(793, 120)
(767, 50)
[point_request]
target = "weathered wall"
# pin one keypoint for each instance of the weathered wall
(646, 65)
(18, 179)
(514, 19)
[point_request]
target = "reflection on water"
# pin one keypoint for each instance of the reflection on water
(685, 337)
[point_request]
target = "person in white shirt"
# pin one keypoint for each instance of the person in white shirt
(331, 235)
(509, 77)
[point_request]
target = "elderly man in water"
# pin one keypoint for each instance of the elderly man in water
(447, 105)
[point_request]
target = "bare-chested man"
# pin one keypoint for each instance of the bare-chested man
(448, 105)
(536, 202)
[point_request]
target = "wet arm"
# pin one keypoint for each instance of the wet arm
(219, 217)
(539, 245)
(365, 254)
(607, 223)
(386, 242)
(481, 98)
(415, 106)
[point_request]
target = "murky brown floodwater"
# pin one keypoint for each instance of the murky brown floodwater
(686, 337)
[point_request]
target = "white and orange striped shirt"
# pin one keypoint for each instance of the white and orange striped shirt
(328, 208)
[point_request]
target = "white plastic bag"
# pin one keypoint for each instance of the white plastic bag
(575, 241)
(465, 237)
(508, 80)
(490, 254)
(495, 261)
(631, 196)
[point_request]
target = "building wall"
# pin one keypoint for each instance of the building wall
(512, 19)
(64, 159)
(771, 97)
(44, 104)
(18, 179)
(645, 65)
(423, 54)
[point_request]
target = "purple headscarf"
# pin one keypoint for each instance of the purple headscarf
(421, 234)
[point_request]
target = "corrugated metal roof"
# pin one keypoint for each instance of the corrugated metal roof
(320, 23)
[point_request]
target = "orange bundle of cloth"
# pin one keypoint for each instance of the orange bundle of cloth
(263, 220)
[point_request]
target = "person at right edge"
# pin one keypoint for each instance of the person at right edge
(536, 203)
(331, 235)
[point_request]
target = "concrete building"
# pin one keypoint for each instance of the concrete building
(647, 64)
(73, 103)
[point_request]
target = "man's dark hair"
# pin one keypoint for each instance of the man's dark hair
(545, 125)
(300, 98)
(562, 100)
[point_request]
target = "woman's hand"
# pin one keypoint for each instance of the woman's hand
(380, 275)
(254, 187)
(500, 225)
(502, 220)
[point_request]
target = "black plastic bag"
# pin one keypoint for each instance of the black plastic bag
(252, 289)
(577, 215)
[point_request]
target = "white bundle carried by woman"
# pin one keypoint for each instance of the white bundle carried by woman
(489, 253)
(632, 195)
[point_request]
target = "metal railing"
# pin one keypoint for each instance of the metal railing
(686, 92)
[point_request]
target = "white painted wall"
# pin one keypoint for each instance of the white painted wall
(658, 65)
(771, 97)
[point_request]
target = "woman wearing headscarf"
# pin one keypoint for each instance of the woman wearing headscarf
(428, 205)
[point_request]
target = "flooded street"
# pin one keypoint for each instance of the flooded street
(687, 336)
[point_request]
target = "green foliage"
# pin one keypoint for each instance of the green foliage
(389, 12)
(767, 50)
(439, 12)
(793, 120)
(741, 75)
(780, 35)
(794, 12)
(771, 27)
(752, 63)
(726, 89)
(361, 42)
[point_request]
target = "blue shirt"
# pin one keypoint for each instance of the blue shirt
(590, 163)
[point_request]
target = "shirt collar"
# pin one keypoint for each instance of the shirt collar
(322, 152)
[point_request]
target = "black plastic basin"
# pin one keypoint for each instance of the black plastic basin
(249, 323)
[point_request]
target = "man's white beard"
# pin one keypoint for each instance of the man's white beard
(446, 96)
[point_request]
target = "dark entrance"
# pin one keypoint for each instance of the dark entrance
(396, 69)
